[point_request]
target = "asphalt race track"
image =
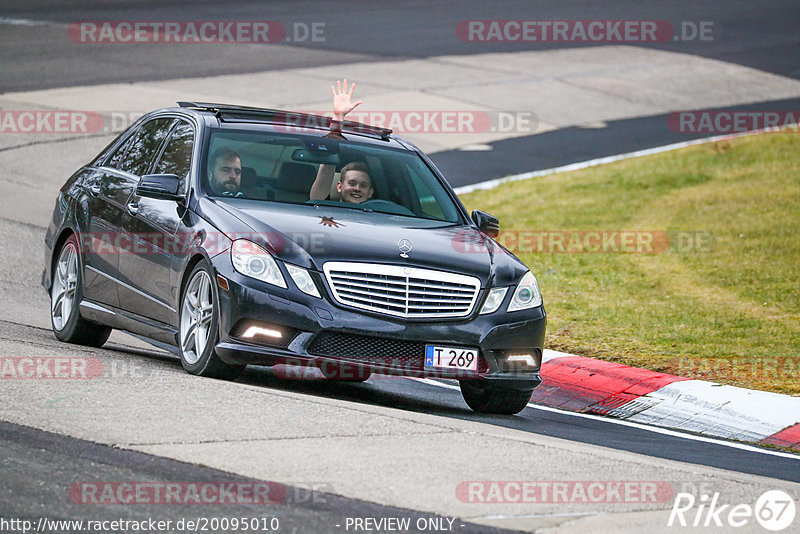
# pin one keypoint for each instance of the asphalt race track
(391, 447)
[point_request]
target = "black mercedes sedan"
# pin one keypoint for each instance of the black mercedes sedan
(264, 237)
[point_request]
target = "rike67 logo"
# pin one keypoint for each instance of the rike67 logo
(774, 510)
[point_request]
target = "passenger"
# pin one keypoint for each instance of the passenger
(355, 182)
(225, 173)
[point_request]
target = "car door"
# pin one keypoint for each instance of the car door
(98, 242)
(151, 225)
(107, 190)
(110, 187)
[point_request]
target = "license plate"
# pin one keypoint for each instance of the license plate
(443, 357)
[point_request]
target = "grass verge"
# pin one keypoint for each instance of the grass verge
(709, 283)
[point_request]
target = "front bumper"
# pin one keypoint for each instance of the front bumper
(316, 332)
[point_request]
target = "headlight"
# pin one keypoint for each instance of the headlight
(253, 261)
(303, 280)
(526, 295)
(494, 300)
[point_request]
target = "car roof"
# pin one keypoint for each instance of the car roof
(276, 120)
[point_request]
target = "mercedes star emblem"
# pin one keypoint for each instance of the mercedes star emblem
(405, 247)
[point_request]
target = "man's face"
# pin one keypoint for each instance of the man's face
(226, 176)
(355, 187)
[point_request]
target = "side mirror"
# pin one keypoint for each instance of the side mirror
(163, 186)
(488, 224)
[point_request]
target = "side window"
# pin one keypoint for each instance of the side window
(117, 156)
(177, 156)
(135, 155)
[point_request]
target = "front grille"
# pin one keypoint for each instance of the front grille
(390, 353)
(402, 291)
(407, 354)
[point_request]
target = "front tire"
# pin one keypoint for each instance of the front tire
(66, 293)
(485, 398)
(199, 330)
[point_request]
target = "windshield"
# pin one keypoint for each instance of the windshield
(326, 171)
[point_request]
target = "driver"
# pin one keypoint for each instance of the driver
(355, 182)
(225, 172)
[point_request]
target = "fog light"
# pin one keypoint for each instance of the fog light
(254, 331)
(263, 333)
(523, 358)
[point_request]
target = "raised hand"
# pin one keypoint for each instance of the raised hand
(342, 104)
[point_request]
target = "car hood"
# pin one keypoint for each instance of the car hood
(310, 236)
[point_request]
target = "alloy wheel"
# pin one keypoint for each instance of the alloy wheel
(196, 314)
(65, 284)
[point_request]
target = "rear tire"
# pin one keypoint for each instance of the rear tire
(199, 330)
(484, 398)
(66, 293)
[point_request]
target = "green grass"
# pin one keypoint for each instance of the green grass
(729, 312)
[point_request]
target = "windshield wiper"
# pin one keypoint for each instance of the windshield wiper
(344, 205)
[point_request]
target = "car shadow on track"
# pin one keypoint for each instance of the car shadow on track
(389, 391)
(395, 392)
